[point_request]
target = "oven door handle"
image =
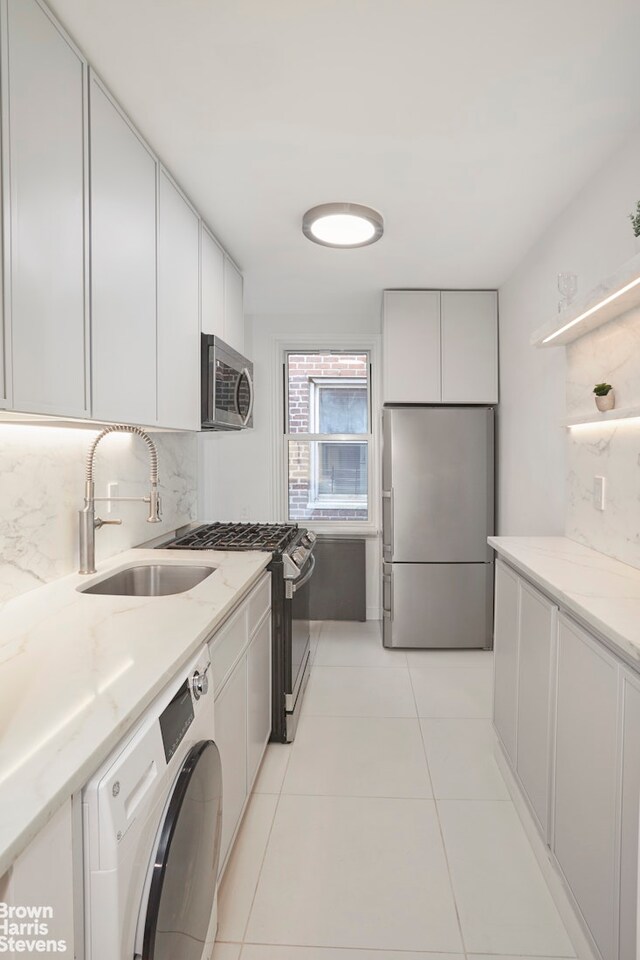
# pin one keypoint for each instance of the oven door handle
(301, 582)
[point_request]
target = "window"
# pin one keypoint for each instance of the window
(328, 435)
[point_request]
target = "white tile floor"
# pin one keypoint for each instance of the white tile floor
(386, 832)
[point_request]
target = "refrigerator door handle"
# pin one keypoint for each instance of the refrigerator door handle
(387, 524)
(387, 592)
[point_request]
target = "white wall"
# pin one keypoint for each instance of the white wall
(238, 470)
(42, 488)
(591, 237)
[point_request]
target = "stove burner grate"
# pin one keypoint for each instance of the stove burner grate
(237, 536)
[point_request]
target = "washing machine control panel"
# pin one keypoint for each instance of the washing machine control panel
(175, 720)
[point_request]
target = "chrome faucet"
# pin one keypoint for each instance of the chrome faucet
(88, 522)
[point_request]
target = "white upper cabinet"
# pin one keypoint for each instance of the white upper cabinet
(411, 346)
(45, 103)
(178, 310)
(469, 346)
(212, 285)
(123, 266)
(233, 306)
(108, 273)
(440, 346)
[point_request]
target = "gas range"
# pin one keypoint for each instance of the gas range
(287, 541)
(292, 565)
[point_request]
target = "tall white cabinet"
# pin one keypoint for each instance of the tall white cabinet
(45, 99)
(123, 266)
(440, 346)
(178, 309)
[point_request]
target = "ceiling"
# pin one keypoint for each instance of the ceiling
(468, 123)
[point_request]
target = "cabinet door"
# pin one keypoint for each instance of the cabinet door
(535, 666)
(258, 697)
(233, 306)
(469, 346)
(44, 875)
(178, 310)
(585, 779)
(231, 737)
(505, 663)
(46, 93)
(629, 818)
(411, 346)
(123, 266)
(212, 285)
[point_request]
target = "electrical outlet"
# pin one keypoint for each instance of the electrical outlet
(112, 491)
(599, 489)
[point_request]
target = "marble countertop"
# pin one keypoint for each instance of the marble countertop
(77, 670)
(601, 592)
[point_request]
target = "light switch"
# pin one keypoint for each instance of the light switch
(599, 485)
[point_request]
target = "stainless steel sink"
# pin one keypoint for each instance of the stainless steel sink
(151, 580)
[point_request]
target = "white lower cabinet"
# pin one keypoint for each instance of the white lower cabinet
(258, 697)
(241, 660)
(231, 737)
(505, 644)
(536, 659)
(575, 752)
(585, 800)
(629, 815)
(33, 881)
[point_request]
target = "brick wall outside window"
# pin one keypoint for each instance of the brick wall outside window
(303, 369)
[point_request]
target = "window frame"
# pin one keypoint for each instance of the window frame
(316, 384)
(335, 345)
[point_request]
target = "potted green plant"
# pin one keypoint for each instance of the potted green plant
(635, 223)
(605, 397)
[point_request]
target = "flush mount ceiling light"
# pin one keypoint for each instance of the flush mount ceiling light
(342, 225)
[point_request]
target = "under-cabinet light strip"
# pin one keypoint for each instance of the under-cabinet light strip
(588, 313)
(613, 422)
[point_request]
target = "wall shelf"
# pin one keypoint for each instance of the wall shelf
(602, 303)
(624, 413)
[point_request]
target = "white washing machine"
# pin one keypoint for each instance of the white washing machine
(152, 819)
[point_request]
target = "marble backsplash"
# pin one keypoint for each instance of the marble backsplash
(611, 450)
(41, 490)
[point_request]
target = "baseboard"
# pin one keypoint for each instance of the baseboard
(580, 937)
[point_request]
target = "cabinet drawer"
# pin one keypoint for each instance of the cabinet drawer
(258, 603)
(227, 646)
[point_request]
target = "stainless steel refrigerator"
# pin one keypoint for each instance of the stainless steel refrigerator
(438, 510)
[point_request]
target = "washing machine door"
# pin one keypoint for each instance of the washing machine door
(185, 867)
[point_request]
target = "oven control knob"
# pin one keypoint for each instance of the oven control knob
(309, 537)
(299, 556)
(200, 683)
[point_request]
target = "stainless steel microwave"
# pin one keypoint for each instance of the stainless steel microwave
(226, 385)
